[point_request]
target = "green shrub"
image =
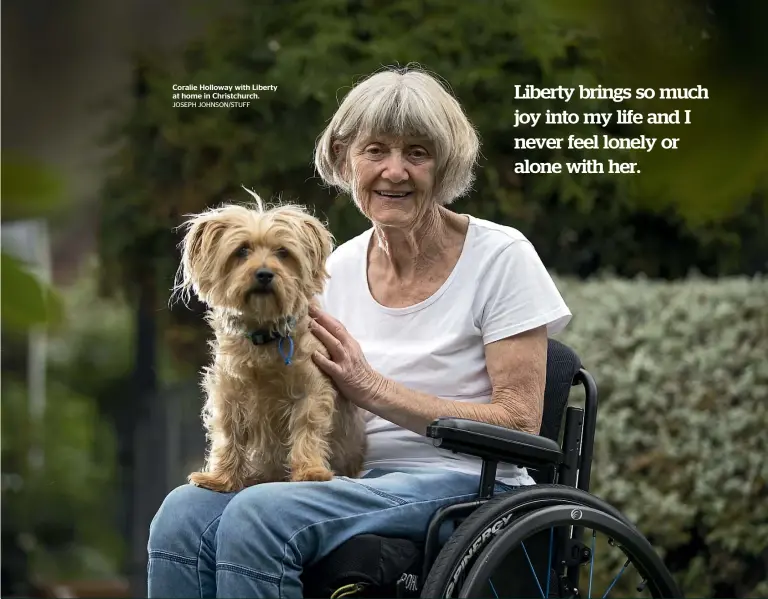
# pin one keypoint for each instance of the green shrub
(63, 507)
(681, 445)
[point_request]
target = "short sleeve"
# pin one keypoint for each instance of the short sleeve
(517, 294)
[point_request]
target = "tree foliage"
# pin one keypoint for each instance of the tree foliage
(60, 477)
(30, 191)
(176, 161)
(723, 154)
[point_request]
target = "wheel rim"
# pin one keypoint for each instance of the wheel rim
(634, 545)
(456, 576)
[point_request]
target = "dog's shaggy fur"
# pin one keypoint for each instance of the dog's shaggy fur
(266, 420)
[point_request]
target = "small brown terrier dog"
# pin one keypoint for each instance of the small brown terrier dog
(270, 413)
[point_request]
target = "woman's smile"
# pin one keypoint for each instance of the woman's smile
(393, 195)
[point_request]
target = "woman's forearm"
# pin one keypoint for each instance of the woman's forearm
(516, 403)
(415, 410)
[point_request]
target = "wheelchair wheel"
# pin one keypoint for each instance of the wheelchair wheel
(448, 574)
(637, 550)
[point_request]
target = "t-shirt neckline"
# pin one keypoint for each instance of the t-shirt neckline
(463, 257)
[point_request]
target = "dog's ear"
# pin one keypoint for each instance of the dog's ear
(203, 233)
(320, 242)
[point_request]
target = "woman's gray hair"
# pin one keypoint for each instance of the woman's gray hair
(403, 102)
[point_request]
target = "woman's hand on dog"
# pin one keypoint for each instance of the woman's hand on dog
(347, 366)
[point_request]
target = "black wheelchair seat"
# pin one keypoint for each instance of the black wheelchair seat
(367, 566)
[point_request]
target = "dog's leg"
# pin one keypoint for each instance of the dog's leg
(310, 428)
(224, 470)
(227, 467)
(349, 442)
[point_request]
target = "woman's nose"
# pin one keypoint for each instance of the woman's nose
(395, 168)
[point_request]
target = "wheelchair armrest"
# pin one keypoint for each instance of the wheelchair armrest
(493, 442)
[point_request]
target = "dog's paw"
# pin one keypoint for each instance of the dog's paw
(212, 482)
(311, 473)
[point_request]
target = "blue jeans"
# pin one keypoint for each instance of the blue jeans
(255, 543)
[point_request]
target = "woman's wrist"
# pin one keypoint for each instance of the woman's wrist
(374, 390)
(398, 404)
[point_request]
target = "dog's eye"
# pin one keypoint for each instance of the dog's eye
(281, 253)
(242, 251)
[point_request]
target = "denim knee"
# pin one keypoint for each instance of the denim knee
(187, 514)
(256, 524)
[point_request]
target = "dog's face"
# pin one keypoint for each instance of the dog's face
(261, 264)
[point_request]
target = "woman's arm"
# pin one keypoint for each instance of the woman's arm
(516, 366)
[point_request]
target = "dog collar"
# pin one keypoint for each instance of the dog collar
(283, 333)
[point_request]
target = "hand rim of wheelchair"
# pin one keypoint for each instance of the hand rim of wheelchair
(636, 546)
(522, 499)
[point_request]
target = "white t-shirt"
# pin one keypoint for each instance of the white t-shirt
(498, 288)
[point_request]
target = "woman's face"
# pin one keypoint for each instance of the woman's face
(393, 179)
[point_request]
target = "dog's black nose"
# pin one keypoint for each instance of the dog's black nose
(264, 276)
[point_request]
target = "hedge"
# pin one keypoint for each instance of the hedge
(682, 432)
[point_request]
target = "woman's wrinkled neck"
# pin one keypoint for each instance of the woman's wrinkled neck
(413, 249)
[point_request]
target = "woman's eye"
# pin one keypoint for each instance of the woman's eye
(281, 253)
(373, 150)
(243, 251)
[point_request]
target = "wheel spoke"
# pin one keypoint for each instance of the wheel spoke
(493, 588)
(549, 559)
(536, 578)
(615, 580)
(591, 564)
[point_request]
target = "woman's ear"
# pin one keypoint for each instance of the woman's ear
(340, 154)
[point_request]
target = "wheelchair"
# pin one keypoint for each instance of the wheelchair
(527, 542)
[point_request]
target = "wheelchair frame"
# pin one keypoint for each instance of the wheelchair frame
(561, 456)
(569, 464)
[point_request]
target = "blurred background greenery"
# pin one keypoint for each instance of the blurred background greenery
(665, 270)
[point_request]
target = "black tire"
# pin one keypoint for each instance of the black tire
(504, 508)
(636, 546)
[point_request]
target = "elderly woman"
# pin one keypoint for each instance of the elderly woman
(428, 313)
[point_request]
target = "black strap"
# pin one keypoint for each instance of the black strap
(262, 336)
